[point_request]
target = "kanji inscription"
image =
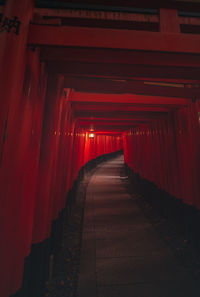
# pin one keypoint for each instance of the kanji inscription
(10, 25)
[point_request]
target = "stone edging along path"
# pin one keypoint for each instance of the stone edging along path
(67, 262)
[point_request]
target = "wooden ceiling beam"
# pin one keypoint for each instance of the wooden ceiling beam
(113, 116)
(113, 38)
(108, 15)
(133, 87)
(70, 70)
(126, 99)
(122, 109)
(98, 55)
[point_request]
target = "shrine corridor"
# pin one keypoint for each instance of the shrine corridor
(122, 254)
(82, 82)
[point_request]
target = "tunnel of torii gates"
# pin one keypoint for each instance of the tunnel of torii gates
(75, 85)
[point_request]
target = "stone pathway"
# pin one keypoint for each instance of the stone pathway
(122, 254)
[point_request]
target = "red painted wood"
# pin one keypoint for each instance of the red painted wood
(13, 144)
(123, 71)
(29, 136)
(94, 15)
(113, 38)
(166, 153)
(102, 55)
(112, 109)
(58, 14)
(44, 151)
(187, 5)
(48, 160)
(117, 86)
(169, 21)
(126, 98)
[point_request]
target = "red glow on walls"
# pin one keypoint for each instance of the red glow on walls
(71, 94)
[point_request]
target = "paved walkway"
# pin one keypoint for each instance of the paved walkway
(122, 255)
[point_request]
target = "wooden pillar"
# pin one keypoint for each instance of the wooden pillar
(14, 28)
(40, 253)
(43, 209)
(13, 41)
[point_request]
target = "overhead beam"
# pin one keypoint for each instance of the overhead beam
(113, 116)
(125, 70)
(108, 127)
(109, 124)
(111, 133)
(101, 55)
(133, 87)
(97, 15)
(115, 120)
(129, 5)
(113, 38)
(113, 108)
(188, 82)
(108, 15)
(126, 98)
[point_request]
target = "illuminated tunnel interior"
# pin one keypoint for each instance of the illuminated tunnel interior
(82, 82)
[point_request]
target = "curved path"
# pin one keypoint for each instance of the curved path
(122, 255)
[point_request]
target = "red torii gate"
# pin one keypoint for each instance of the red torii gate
(21, 119)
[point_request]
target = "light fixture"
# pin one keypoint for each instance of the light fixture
(91, 135)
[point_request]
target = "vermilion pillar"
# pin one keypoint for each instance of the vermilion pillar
(13, 41)
(40, 252)
(48, 157)
(70, 154)
(65, 158)
(62, 164)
